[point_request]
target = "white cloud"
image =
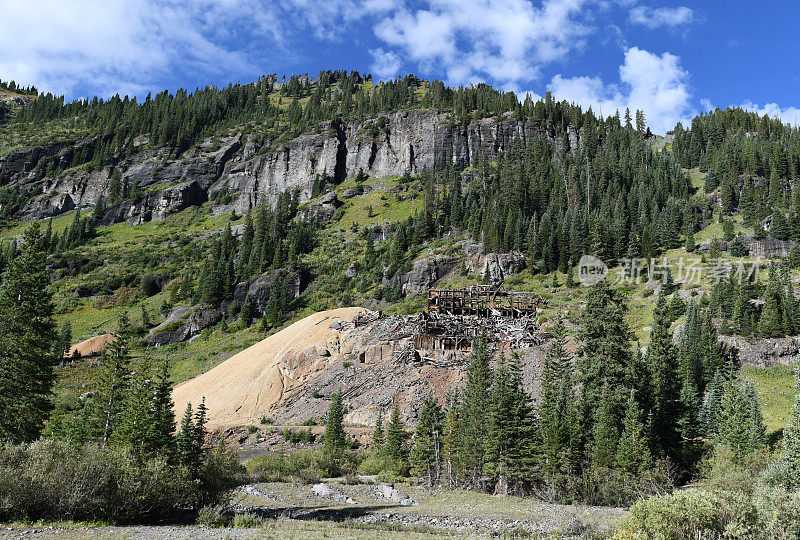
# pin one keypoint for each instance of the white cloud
(788, 115)
(662, 16)
(656, 84)
(124, 46)
(471, 40)
(385, 64)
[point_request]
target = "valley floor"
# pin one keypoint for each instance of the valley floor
(288, 510)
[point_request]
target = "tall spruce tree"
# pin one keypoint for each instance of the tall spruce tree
(396, 436)
(27, 340)
(791, 437)
(511, 431)
(425, 455)
(604, 358)
(662, 359)
(474, 411)
(632, 454)
(557, 412)
(335, 439)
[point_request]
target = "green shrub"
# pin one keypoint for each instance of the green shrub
(683, 514)
(52, 480)
(252, 429)
(213, 516)
(249, 521)
(376, 464)
(267, 421)
(296, 437)
(305, 465)
(722, 471)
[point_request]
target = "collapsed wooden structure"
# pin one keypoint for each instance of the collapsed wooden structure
(456, 318)
(482, 301)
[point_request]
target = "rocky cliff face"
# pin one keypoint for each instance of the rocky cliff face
(240, 174)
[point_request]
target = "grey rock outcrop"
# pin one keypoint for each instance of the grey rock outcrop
(183, 323)
(239, 176)
(426, 272)
(765, 352)
(496, 267)
(766, 247)
(260, 288)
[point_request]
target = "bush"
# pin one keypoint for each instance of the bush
(722, 472)
(51, 480)
(683, 514)
(307, 465)
(213, 516)
(296, 437)
(377, 464)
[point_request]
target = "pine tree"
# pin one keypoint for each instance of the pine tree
(450, 438)
(64, 339)
(473, 412)
(604, 357)
(632, 454)
(741, 426)
(426, 450)
(662, 359)
(112, 387)
(335, 439)
(378, 436)
(27, 339)
(791, 438)
(163, 416)
(395, 447)
(606, 432)
(771, 323)
(510, 438)
(556, 408)
(135, 418)
(188, 452)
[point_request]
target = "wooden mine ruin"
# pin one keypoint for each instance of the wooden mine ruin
(456, 318)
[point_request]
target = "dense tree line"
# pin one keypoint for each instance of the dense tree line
(753, 161)
(12, 86)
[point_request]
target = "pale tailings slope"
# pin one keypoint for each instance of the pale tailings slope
(241, 390)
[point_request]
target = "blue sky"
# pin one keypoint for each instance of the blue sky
(673, 59)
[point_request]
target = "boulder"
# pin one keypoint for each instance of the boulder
(496, 267)
(260, 288)
(323, 491)
(426, 272)
(388, 491)
(182, 324)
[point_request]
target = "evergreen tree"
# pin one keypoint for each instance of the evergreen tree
(64, 342)
(662, 359)
(27, 341)
(606, 432)
(188, 452)
(632, 454)
(378, 436)
(396, 436)
(450, 438)
(425, 453)
(771, 323)
(741, 427)
(791, 438)
(557, 408)
(474, 409)
(604, 357)
(335, 439)
(511, 432)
